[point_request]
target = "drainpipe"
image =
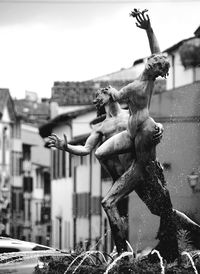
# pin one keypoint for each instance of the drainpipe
(75, 208)
(90, 204)
(60, 231)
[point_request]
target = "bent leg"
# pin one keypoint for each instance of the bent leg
(117, 144)
(121, 188)
(159, 199)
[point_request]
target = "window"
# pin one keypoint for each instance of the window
(47, 183)
(63, 163)
(21, 202)
(58, 164)
(26, 152)
(54, 163)
(4, 145)
(81, 205)
(28, 184)
(96, 205)
(16, 130)
(70, 165)
(29, 209)
(38, 212)
(45, 214)
(16, 164)
(17, 200)
(14, 201)
(39, 178)
(83, 160)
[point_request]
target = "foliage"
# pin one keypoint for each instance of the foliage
(190, 53)
(144, 265)
(184, 241)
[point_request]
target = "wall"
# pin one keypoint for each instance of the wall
(181, 148)
(179, 112)
(81, 124)
(61, 203)
(178, 75)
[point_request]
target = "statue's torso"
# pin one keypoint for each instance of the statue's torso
(138, 102)
(113, 125)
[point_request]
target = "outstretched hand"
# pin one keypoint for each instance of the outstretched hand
(55, 141)
(143, 20)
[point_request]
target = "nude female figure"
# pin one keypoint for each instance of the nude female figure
(138, 97)
(151, 192)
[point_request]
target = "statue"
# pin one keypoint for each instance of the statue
(129, 154)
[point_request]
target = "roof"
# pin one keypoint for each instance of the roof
(6, 100)
(177, 45)
(197, 32)
(123, 74)
(46, 129)
(73, 93)
(82, 93)
(33, 112)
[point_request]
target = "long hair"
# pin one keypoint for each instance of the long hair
(100, 109)
(160, 62)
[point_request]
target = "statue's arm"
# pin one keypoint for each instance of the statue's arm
(90, 144)
(123, 94)
(153, 42)
(143, 22)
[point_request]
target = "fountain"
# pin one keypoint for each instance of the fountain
(136, 134)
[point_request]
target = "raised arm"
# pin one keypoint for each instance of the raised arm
(90, 144)
(143, 22)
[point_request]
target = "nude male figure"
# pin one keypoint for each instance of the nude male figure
(115, 122)
(157, 200)
(138, 97)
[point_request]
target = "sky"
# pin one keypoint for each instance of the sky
(43, 41)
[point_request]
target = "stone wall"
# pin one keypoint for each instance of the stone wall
(82, 93)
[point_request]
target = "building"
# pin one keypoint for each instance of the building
(10, 151)
(24, 172)
(73, 194)
(36, 186)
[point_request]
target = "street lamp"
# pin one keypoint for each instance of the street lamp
(193, 180)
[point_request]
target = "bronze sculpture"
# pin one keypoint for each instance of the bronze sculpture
(133, 146)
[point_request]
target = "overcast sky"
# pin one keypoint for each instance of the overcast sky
(43, 41)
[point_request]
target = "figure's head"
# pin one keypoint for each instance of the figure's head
(101, 99)
(157, 65)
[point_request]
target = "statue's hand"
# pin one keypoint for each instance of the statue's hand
(109, 90)
(143, 21)
(55, 141)
(158, 133)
